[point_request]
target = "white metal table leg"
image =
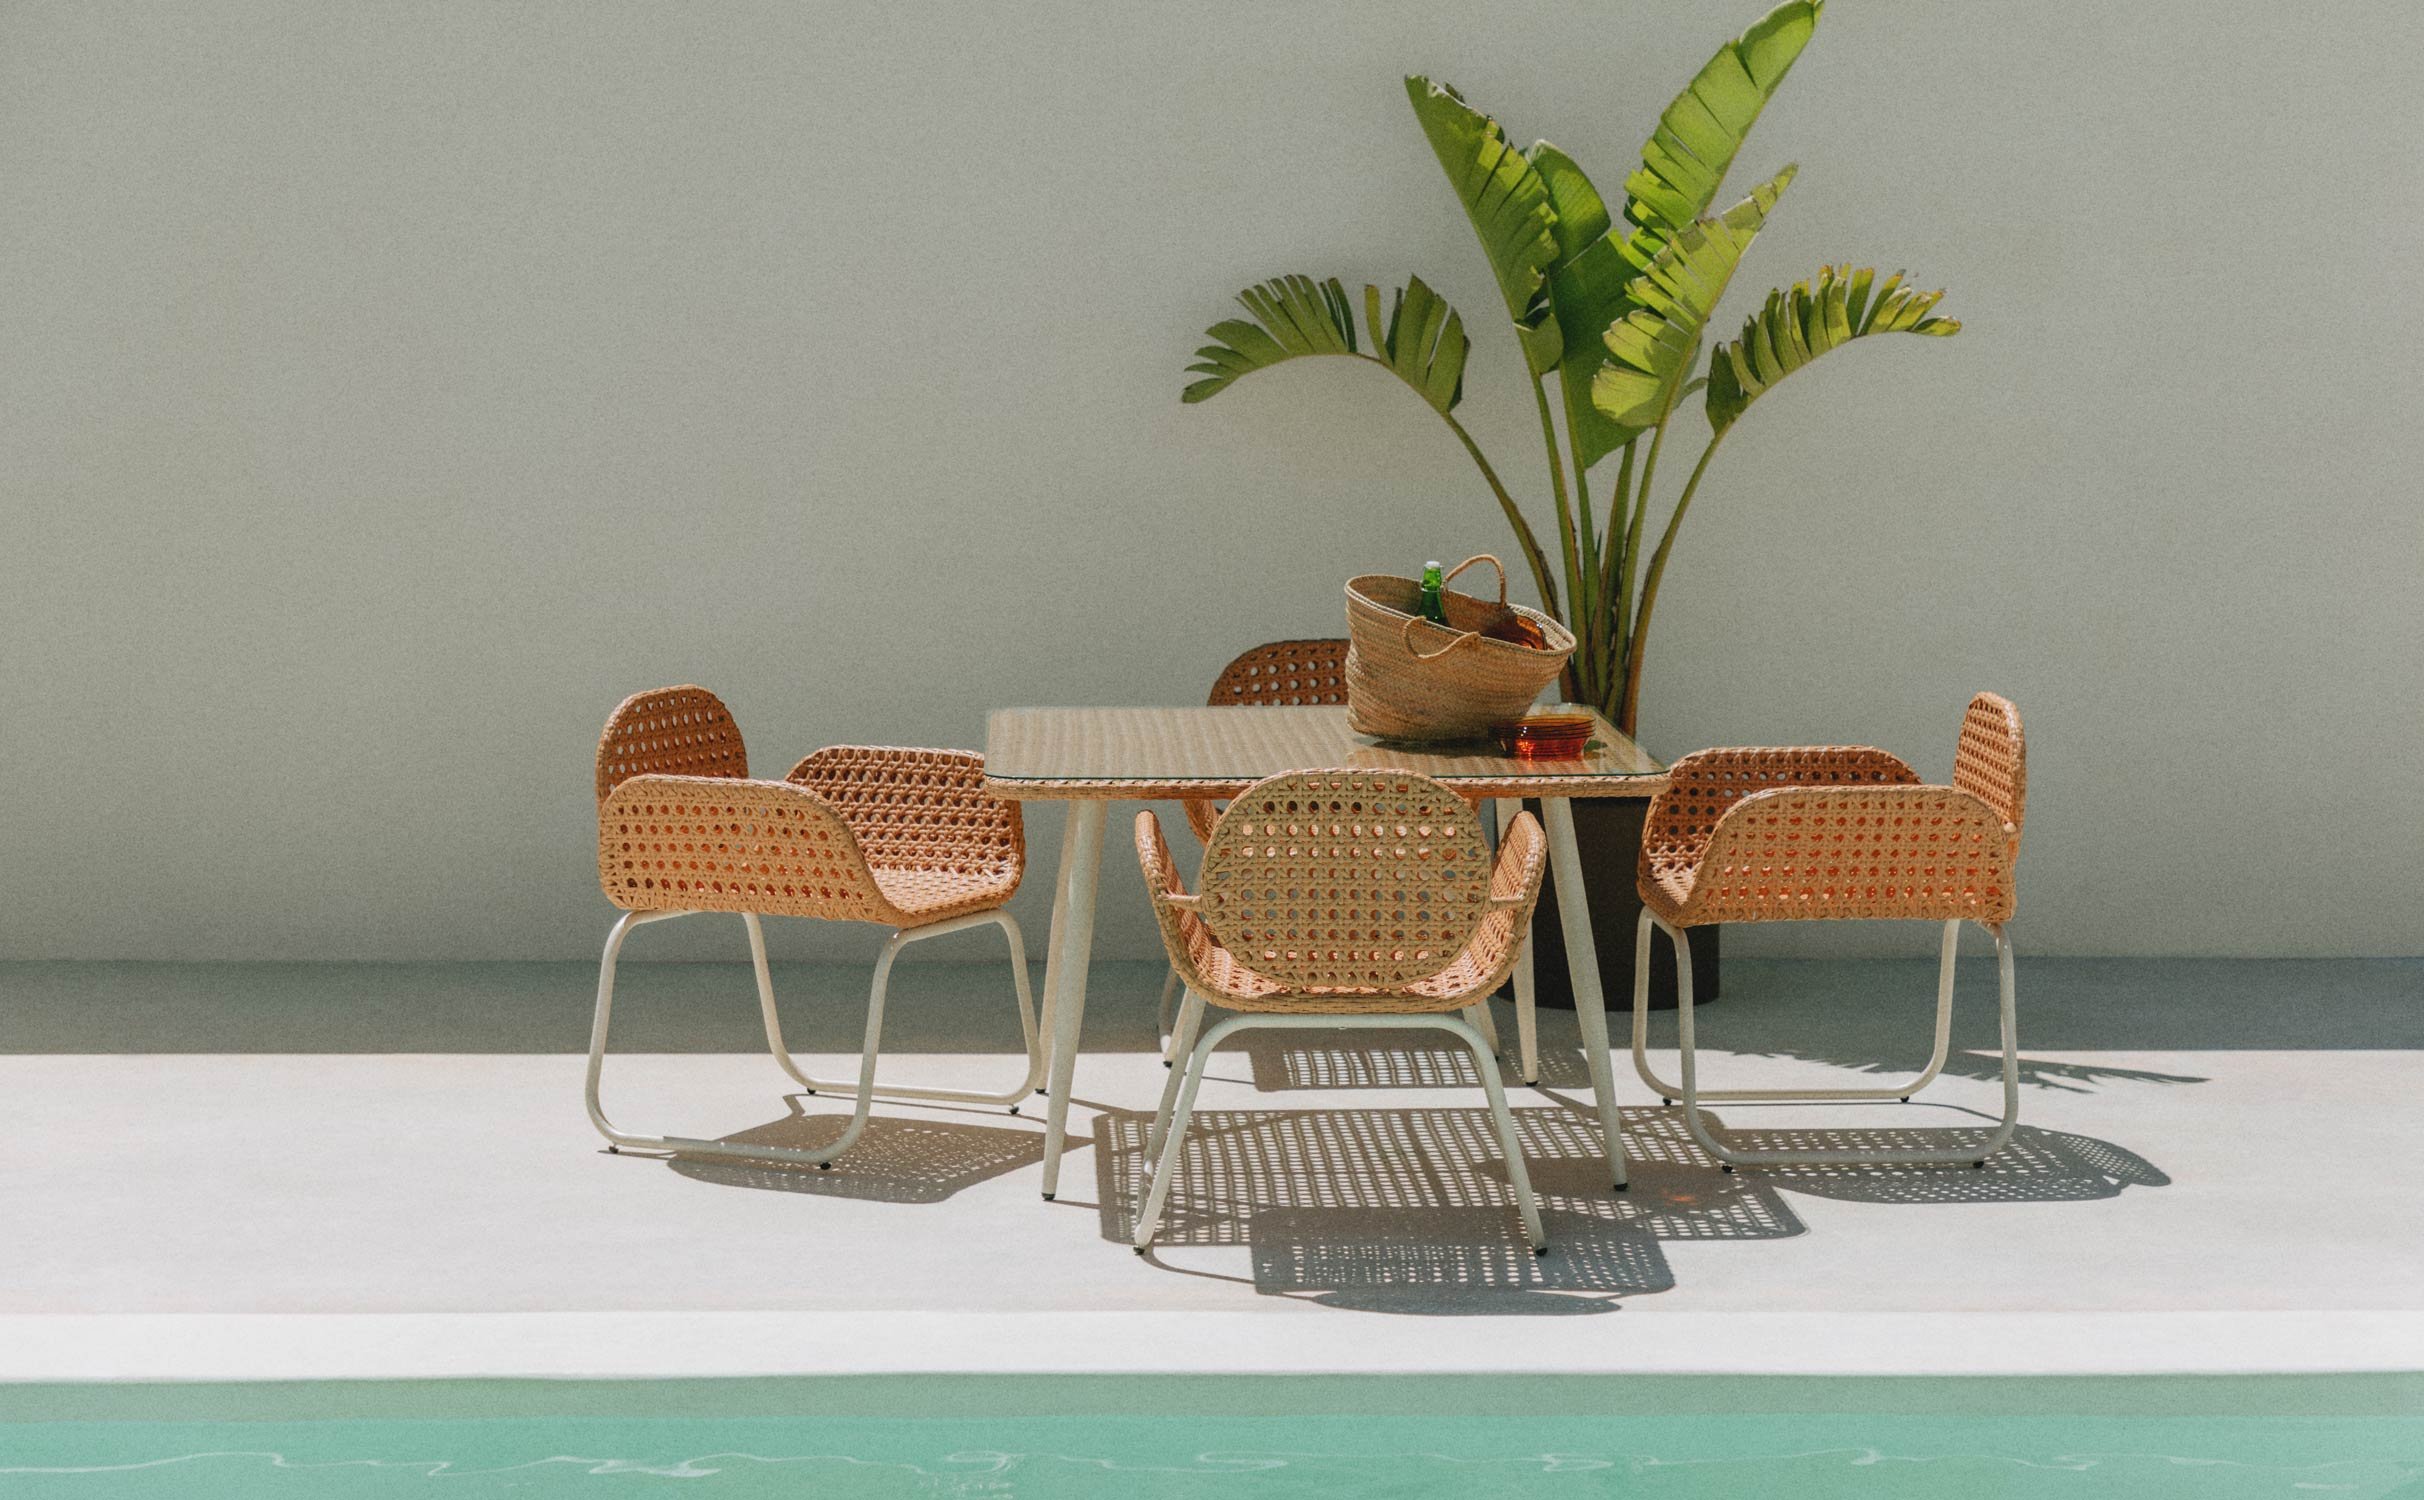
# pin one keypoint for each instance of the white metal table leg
(1081, 861)
(1527, 1017)
(1582, 965)
(1166, 1018)
(1477, 1015)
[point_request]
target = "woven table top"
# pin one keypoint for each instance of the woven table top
(1148, 754)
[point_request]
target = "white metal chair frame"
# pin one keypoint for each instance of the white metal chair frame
(1692, 1096)
(1177, 1107)
(1511, 884)
(867, 1090)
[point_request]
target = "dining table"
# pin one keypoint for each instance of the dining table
(1091, 758)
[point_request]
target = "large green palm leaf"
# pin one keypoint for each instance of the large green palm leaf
(1652, 350)
(1587, 293)
(1796, 327)
(1685, 160)
(1508, 204)
(1423, 342)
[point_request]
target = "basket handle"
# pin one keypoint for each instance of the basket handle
(1405, 633)
(1450, 576)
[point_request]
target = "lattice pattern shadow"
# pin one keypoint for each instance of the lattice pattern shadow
(2039, 1166)
(1285, 1060)
(1424, 1169)
(895, 1160)
(1453, 1260)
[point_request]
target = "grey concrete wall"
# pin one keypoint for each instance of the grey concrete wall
(387, 390)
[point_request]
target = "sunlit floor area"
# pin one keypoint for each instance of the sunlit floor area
(245, 1172)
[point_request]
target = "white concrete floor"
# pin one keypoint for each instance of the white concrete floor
(2244, 1198)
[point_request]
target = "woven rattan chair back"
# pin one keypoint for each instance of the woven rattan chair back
(1284, 672)
(1340, 878)
(1992, 760)
(675, 731)
(1276, 673)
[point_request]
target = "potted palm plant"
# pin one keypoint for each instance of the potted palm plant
(1616, 310)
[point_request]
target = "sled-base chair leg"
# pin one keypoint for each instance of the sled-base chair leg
(1012, 1096)
(1692, 1097)
(618, 1138)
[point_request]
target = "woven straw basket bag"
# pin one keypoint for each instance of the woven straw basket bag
(1408, 679)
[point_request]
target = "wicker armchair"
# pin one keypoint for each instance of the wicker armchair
(905, 839)
(1328, 899)
(1835, 834)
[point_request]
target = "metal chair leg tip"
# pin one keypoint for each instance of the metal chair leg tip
(1666, 1102)
(1040, 1093)
(1139, 1249)
(1620, 1187)
(1047, 1197)
(613, 1150)
(1906, 1098)
(1539, 1250)
(1978, 1166)
(1014, 1109)
(811, 1093)
(1727, 1167)
(824, 1166)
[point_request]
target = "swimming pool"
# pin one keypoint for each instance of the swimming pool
(1011, 1438)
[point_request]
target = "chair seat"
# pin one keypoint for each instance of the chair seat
(923, 895)
(1471, 974)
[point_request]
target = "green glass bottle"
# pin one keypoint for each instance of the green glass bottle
(1434, 607)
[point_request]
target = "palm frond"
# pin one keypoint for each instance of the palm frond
(1685, 160)
(1423, 342)
(1652, 349)
(1587, 291)
(1796, 327)
(1508, 204)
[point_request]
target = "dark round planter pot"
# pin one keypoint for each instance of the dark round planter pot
(1607, 832)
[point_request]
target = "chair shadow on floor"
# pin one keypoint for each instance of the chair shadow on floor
(1409, 1211)
(895, 1160)
(1283, 1061)
(2038, 1166)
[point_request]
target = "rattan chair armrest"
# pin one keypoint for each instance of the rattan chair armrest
(915, 808)
(732, 844)
(1522, 861)
(1925, 852)
(1792, 765)
(1175, 910)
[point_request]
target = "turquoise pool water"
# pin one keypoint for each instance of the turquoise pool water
(1161, 1438)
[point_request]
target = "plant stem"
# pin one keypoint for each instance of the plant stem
(1618, 499)
(1649, 586)
(1565, 510)
(1622, 706)
(1532, 554)
(1589, 615)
